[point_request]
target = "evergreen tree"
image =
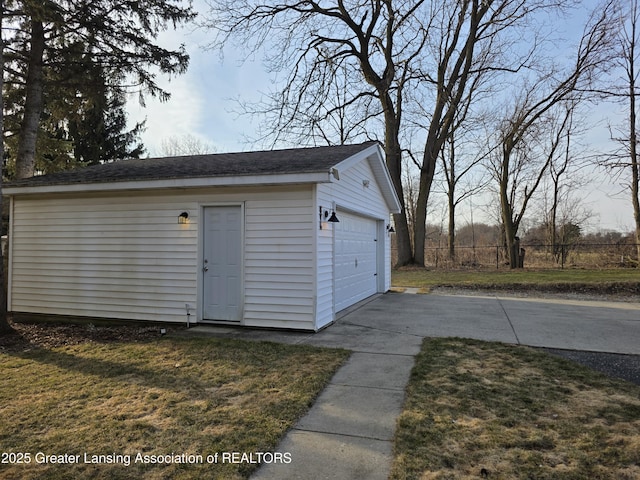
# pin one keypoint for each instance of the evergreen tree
(86, 110)
(68, 64)
(83, 120)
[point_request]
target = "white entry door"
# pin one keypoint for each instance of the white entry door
(222, 263)
(356, 259)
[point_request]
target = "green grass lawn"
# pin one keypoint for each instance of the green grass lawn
(607, 281)
(487, 410)
(161, 397)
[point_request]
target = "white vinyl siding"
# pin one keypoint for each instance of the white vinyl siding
(324, 266)
(279, 275)
(112, 257)
(351, 195)
(350, 192)
(117, 250)
(125, 256)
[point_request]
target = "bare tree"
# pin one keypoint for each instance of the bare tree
(557, 170)
(563, 214)
(521, 168)
(455, 171)
(332, 118)
(564, 210)
(467, 38)
(188, 144)
(524, 156)
(370, 46)
(389, 53)
(463, 150)
(626, 159)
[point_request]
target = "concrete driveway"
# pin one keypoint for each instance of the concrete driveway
(565, 324)
(348, 433)
(396, 323)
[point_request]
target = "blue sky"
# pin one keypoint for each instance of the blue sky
(202, 105)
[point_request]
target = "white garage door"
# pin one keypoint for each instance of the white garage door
(355, 259)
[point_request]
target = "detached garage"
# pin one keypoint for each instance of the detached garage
(277, 239)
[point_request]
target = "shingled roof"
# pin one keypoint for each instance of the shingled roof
(272, 162)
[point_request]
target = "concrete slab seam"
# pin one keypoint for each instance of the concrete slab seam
(508, 320)
(368, 327)
(346, 435)
(369, 352)
(383, 354)
(388, 389)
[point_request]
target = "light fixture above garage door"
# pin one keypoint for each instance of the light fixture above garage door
(326, 217)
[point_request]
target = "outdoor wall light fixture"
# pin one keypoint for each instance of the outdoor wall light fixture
(390, 229)
(326, 217)
(183, 218)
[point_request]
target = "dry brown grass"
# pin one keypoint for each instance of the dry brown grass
(614, 282)
(476, 408)
(158, 397)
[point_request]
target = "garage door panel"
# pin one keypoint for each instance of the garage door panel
(355, 259)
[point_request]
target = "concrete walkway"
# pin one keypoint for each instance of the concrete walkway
(348, 432)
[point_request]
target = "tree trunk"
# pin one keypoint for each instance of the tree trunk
(636, 207)
(633, 145)
(510, 229)
(5, 328)
(510, 238)
(393, 154)
(635, 186)
(26, 158)
(451, 196)
(426, 179)
(452, 225)
(553, 228)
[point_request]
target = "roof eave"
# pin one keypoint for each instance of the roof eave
(198, 182)
(375, 153)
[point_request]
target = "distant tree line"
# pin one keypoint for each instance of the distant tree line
(483, 234)
(481, 244)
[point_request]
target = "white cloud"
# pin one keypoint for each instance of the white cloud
(201, 101)
(180, 115)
